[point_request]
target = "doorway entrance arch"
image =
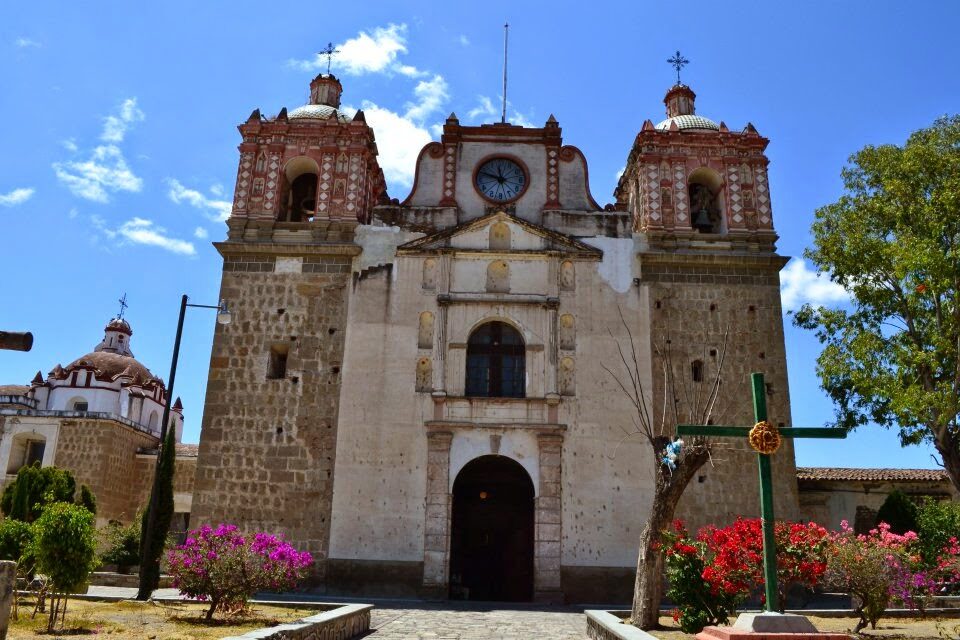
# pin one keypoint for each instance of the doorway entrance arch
(492, 531)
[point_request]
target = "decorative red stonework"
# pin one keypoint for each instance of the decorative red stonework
(316, 138)
(729, 633)
(663, 160)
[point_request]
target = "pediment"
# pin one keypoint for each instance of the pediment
(485, 234)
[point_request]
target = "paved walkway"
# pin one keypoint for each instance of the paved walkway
(416, 620)
(469, 621)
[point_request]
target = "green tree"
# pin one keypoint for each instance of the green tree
(87, 500)
(123, 544)
(65, 550)
(150, 557)
(34, 488)
(893, 241)
(899, 512)
(16, 537)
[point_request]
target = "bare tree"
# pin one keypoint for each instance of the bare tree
(682, 401)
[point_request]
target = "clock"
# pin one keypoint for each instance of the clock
(500, 179)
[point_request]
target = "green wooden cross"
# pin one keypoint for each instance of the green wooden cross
(766, 480)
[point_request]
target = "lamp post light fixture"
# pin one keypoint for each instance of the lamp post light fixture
(146, 536)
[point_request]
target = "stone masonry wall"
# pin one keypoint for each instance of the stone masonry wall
(267, 445)
(692, 306)
(102, 455)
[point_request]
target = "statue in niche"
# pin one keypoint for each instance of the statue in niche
(704, 209)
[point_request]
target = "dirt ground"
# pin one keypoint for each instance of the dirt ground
(148, 621)
(887, 628)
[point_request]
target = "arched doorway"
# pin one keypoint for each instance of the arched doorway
(491, 541)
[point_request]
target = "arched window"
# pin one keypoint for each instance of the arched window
(496, 362)
(567, 279)
(706, 205)
(298, 193)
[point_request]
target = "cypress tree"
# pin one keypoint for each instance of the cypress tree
(150, 574)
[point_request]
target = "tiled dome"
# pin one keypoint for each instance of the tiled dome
(689, 122)
(316, 112)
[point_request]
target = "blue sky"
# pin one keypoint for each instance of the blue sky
(120, 142)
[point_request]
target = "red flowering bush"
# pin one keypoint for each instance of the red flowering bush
(737, 555)
(225, 568)
(712, 575)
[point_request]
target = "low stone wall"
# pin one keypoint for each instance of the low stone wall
(342, 623)
(608, 625)
(112, 579)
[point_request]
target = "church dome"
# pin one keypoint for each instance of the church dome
(688, 122)
(111, 365)
(119, 324)
(317, 112)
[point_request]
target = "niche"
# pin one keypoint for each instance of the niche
(424, 374)
(567, 332)
(567, 387)
(499, 237)
(430, 274)
(498, 277)
(425, 333)
(277, 363)
(567, 280)
(696, 371)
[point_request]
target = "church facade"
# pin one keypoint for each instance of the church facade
(426, 393)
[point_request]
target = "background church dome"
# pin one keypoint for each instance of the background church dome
(111, 365)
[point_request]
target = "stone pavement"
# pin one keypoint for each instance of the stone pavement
(474, 621)
(417, 619)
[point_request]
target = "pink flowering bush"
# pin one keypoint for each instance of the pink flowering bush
(225, 568)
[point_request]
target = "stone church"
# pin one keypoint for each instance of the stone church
(424, 392)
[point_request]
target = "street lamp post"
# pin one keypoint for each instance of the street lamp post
(146, 536)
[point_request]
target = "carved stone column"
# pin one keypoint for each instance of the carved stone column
(546, 562)
(436, 538)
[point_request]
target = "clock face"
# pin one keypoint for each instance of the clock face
(501, 179)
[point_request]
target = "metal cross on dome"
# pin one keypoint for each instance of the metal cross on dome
(678, 62)
(330, 51)
(764, 438)
(123, 305)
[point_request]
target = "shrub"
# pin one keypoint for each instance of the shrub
(937, 523)
(123, 544)
(866, 567)
(15, 540)
(899, 512)
(65, 549)
(699, 603)
(225, 568)
(35, 487)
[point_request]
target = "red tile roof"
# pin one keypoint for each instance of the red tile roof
(874, 475)
(13, 390)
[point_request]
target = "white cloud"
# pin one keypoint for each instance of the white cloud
(145, 232)
(180, 194)
(26, 43)
(105, 171)
(216, 189)
(374, 52)
(399, 141)
(115, 126)
(800, 284)
(464, 40)
(15, 197)
(73, 213)
(484, 109)
(200, 233)
(488, 111)
(430, 95)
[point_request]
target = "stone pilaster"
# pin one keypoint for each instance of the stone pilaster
(436, 539)
(546, 562)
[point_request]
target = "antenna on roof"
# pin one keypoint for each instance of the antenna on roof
(506, 33)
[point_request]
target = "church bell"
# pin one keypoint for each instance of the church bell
(702, 221)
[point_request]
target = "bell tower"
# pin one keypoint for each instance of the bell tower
(306, 179)
(698, 196)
